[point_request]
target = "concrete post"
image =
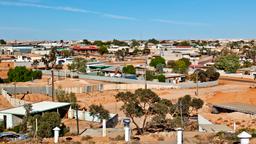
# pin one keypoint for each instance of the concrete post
(70, 113)
(179, 135)
(234, 126)
(56, 134)
(104, 127)
(127, 129)
(244, 137)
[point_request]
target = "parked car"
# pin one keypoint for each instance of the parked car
(11, 136)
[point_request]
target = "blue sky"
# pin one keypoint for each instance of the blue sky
(127, 19)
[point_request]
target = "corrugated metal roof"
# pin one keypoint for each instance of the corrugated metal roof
(36, 107)
(239, 107)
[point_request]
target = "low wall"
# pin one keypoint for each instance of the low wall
(13, 101)
(85, 115)
(236, 75)
(47, 90)
(155, 86)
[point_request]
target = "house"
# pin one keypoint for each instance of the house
(13, 116)
(41, 51)
(114, 48)
(60, 60)
(113, 71)
(174, 78)
(85, 48)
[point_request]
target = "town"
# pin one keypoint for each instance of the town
(128, 91)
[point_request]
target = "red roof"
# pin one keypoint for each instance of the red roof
(183, 46)
(89, 47)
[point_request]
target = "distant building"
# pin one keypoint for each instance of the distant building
(85, 48)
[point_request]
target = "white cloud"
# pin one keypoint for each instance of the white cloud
(67, 9)
(119, 17)
(179, 22)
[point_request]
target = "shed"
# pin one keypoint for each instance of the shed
(13, 116)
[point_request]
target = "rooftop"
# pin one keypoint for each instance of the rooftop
(239, 107)
(36, 107)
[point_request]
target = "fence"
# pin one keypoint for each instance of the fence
(47, 90)
(13, 101)
(84, 115)
(131, 83)
(151, 86)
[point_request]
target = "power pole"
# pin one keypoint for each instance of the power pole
(15, 89)
(145, 75)
(77, 120)
(52, 84)
(181, 117)
(197, 83)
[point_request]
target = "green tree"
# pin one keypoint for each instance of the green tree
(146, 51)
(119, 43)
(35, 63)
(171, 64)
(135, 43)
(120, 54)
(203, 76)
(180, 67)
(251, 53)
(129, 69)
(67, 53)
(46, 123)
(50, 60)
(86, 42)
(22, 74)
(157, 60)
(182, 43)
(79, 64)
(212, 74)
(186, 103)
(63, 96)
(140, 104)
(187, 61)
(154, 41)
(229, 63)
(161, 78)
(2, 42)
(150, 75)
(98, 43)
(28, 109)
(103, 49)
(247, 64)
(98, 111)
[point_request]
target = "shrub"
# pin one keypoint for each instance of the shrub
(86, 138)
(129, 69)
(22, 74)
(161, 78)
(119, 138)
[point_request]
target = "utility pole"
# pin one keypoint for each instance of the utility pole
(197, 83)
(52, 84)
(181, 117)
(145, 75)
(15, 89)
(77, 120)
